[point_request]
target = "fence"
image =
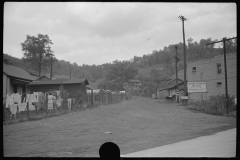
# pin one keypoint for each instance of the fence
(104, 97)
(51, 104)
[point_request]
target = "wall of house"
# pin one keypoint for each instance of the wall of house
(7, 87)
(72, 89)
(4, 84)
(160, 94)
(206, 70)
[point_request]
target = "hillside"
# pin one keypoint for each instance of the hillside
(151, 68)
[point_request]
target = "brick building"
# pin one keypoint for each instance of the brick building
(212, 72)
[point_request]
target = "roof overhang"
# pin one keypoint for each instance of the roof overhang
(19, 81)
(17, 78)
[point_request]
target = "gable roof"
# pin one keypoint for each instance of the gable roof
(179, 80)
(44, 76)
(168, 86)
(17, 72)
(60, 81)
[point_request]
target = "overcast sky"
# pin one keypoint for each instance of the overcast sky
(101, 32)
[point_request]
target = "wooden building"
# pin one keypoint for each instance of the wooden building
(15, 80)
(168, 90)
(72, 86)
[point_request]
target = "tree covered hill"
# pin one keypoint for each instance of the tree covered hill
(149, 68)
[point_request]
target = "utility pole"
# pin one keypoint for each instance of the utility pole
(184, 53)
(201, 81)
(40, 61)
(177, 75)
(51, 67)
(70, 71)
(225, 67)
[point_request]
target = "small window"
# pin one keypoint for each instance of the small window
(194, 69)
(219, 68)
(219, 83)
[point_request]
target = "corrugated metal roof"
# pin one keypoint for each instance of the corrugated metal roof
(17, 72)
(60, 81)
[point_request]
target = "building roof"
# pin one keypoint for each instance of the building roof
(45, 76)
(215, 57)
(17, 72)
(60, 81)
(170, 86)
(179, 80)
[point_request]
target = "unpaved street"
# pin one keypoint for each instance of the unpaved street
(137, 124)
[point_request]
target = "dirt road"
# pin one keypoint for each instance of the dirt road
(137, 124)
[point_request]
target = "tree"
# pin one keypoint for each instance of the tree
(37, 50)
(121, 72)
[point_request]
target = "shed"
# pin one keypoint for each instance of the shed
(72, 86)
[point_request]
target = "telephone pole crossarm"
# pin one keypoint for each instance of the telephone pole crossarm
(221, 41)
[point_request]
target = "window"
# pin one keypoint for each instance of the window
(219, 68)
(194, 69)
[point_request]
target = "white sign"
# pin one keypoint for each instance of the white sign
(184, 97)
(195, 87)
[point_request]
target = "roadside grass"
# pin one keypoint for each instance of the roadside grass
(215, 105)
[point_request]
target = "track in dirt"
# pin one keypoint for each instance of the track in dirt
(137, 124)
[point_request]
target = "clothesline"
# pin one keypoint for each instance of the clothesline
(17, 101)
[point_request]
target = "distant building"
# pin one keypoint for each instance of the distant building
(134, 82)
(167, 90)
(15, 80)
(44, 78)
(212, 72)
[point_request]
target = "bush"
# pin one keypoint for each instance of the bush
(215, 105)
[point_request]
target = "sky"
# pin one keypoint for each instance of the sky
(101, 32)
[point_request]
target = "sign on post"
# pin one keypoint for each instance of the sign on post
(196, 87)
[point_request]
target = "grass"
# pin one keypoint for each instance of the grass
(215, 105)
(137, 124)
